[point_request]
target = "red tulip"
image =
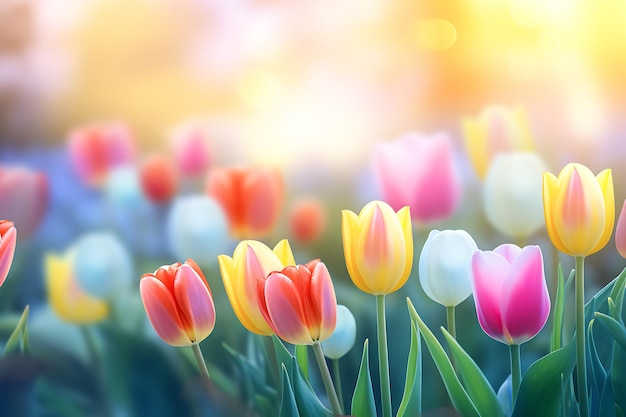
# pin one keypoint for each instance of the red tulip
(8, 238)
(307, 220)
(251, 198)
(158, 178)
(96, 149)
(179, 303)
(299, 303)
(25, 195)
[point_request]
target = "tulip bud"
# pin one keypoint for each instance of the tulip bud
(341, 341)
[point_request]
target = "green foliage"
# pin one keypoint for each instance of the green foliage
(411, 404)
(363, 404)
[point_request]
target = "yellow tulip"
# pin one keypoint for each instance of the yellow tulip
(579, 209)
(252, 260)
(496, 130)
(66, 298)
(378, 247)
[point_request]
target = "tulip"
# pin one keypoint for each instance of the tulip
(178, 303)
(378, 247)
(25, 197)
(95, 149)
(68, 300)
(307, 220)
(197, 227)
(299, 303)
(445, 266)
(418, 171)
(620, 232)
(8, 239)
(512, 194)
(251, 198)
(191, 149)
(102, 265)
(158, 178)
(511, 296)
(251, 261)
(342, 339)
(579, 209)
(496, 130)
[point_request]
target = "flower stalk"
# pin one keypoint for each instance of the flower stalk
(581, 359)
(327, 379)
(383, 355)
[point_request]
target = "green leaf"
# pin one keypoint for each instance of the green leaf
(556, 340)
(20, 334)
(598, 373)
(478, 388)
(460, 399)
(282, 354)
(363, 404)
(302, 357)
(618, 377)
(288, 406)
(615, 328)
(309, 405)
(540, 390)
(264, 406)
(607, 403)
(411, 404)
(617, 291)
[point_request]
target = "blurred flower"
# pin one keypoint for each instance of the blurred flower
(418, 171)
(342, 339)
(505, 396)
(620, 232)
(178, 303)
(95, 149)
(445, 266)
(158, 178)
(510, 292)
(8, 239)
(191, 149)
(579, 209)
(66, 298)
(251, 261)
(122, 188)
(25, 197)
(512, 194)
(251, 198)
(299, 303)
(496, 130)
(307, 220)
(102, 265)
(197, 228)
(378, 247)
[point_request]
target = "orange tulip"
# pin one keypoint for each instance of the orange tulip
(251, 198)
(8, 238)
(178, 303)
(299, 303)
(158, 178)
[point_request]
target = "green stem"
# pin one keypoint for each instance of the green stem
(516, 371)
(326, 378)
(197, 354)
(271, 354)
(383, 355)
(94, 357)
(337, 380)
(451, 320)
(581, 329)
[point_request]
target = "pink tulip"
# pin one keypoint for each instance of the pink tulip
(191, 150)
(178, 303)
(8, 239)
(418, 171)
(620, 232)
(510, 292)
(25, 194)
(96, 149)
(299, 303)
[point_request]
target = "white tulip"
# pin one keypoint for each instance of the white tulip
(445, 266)
(341, 341)
(512, 196)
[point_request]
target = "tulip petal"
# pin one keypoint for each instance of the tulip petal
(620, 232)
(349, 228)
(404, 215)
(284, 253)
(550, 189)
(605, 180)
(488, 272)
(324, 303)
(525, 300)
(8, 241)
(508, 251)
(195, 303)
(161, 310)
(285, 310)
(262, 191)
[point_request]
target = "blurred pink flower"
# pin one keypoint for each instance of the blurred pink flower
(95, 149)
(25, 195)
(418, 171)
(510, 292)
(8, 238)
(620, 232)
(191, 149)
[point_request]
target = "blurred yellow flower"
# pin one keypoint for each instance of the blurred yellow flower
(66, 298)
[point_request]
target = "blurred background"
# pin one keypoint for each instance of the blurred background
(115, 115)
